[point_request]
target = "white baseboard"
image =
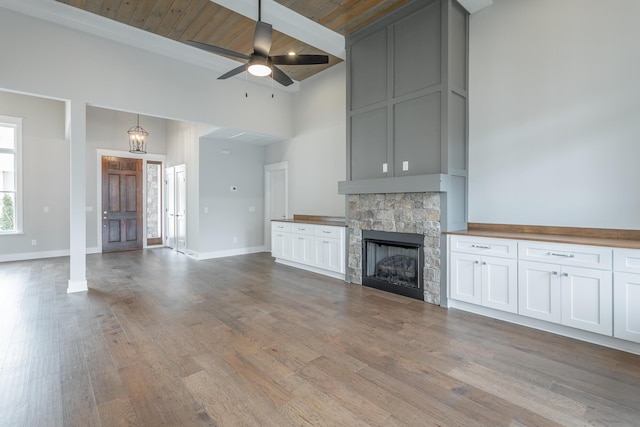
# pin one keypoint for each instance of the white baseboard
(34, 255)
(43, 254)
(227, 253)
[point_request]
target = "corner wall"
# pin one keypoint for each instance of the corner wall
(231, 222)
(317, 152)
(45, 178)
(554, 113)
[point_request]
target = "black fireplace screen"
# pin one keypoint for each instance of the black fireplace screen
(391, 263)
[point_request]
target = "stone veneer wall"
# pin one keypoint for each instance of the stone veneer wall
(403, 213)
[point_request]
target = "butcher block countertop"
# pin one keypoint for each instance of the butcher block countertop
(629, 239)
(336, 221)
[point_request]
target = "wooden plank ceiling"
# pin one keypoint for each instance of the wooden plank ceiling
(208, 22)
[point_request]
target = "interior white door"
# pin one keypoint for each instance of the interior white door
(181, 208)
(170, 208)
(276, 196)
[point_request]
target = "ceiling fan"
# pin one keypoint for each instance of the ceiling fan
(259, 63)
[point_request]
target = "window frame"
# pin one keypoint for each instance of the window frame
(16, 123)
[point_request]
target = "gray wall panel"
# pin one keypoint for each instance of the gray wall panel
(458, 47)
(368, 71)
(457, 132)
(417, 51)
(368, 144)
(417, 135)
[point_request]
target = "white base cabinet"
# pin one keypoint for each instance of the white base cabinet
(626, 294)
(490, 281)
(313, 247)
(626, 300)
(592, 290)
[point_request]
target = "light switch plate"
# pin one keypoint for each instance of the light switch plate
(384, 168)
(405, 165)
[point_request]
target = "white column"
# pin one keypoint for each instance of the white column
(77, 135)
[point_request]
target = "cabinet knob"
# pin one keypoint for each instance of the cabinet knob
(476, 262)
(565, 274)
(554, 273)
(484, 263)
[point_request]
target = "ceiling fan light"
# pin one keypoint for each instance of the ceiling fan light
(259, 70)
(259, 67)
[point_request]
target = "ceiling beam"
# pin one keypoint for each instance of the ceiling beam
(290, 23)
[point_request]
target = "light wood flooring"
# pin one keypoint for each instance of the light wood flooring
(164, 340)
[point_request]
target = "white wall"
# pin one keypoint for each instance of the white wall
(42, 58)
(46, 59)
(45, 172)
(555, 113)
(231, 220)
(317, 152)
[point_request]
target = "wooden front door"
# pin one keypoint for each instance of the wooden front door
(121, 204)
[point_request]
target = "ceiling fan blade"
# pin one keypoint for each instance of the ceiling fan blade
(216, 49)
(233, 72)
(280, 76)
(262, 39)
(299, 59)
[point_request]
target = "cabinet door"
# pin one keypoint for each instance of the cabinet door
(465, 278)
(626, 294)
(303, 249)
(539, 291)
(281, 245)
(500, 283)
(329, 254)
(587, 299)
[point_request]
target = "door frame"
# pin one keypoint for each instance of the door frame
(269, 169)
(127, 155)
(173, 170)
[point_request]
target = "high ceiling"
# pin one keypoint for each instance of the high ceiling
(209, 22)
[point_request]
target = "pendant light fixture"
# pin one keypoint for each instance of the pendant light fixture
(137, 139)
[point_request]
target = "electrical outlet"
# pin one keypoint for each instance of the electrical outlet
(384, 168)
(46, 209)
(34, 243)
(235, 239)
(405, 165)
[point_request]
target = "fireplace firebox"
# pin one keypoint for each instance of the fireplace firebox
(393, 262)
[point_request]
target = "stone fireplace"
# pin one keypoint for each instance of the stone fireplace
(407, 213)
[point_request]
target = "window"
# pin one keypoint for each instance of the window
(154, 203)
(10, 175)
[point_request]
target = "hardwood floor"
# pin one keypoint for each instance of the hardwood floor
(164, 340)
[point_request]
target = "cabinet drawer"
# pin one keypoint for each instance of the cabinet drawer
(328, 231)
(281, 226)
(626, 260)
(574, 255)
(302, 228)
(483, 246)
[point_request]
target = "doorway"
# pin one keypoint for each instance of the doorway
(276, 196)
(176, 208)
(122, 227)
